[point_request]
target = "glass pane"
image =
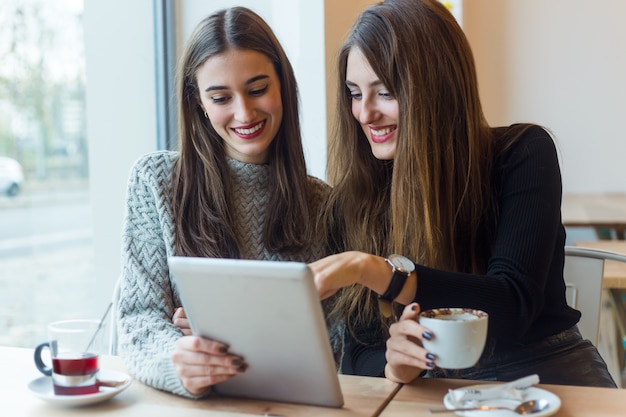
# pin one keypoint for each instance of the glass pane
(46, 254)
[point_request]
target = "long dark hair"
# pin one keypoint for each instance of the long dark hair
(200, 198)
(435, 201)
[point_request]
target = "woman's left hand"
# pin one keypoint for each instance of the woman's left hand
(406, 358)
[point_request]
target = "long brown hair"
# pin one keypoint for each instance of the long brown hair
(434, 202)
(200, 200)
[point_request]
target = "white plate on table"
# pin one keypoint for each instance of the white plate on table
(531, 393)
(42, 388)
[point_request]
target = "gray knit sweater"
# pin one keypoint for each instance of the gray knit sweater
(146, 334)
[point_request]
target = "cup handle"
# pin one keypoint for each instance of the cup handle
(46, 370)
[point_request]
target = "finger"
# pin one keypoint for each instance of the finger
(192, 363)
(182, 324)
(397, 359)
(186, 331)
(179, 318)
(201, 344)
(179, 313)
(408, 324)
(213, 366)
(199, 370)
(403, 352)
(410, 312)
(406, 328)
(197, 384)
(197, 364)
(410, 330)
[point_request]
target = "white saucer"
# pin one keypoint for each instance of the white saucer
(531, 393)
(42, 388)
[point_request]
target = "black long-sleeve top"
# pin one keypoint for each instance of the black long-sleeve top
(523, 289)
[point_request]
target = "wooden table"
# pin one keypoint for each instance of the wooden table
(363, 397)
(417, 398)
(597, 210)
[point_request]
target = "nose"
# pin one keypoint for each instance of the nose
(244, 110)
(366, 111)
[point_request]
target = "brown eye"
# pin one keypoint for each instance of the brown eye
(258, 91)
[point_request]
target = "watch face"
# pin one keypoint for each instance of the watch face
(402, 263)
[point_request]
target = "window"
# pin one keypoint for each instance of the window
(99, 96)
(46, 249)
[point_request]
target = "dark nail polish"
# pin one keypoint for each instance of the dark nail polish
(427, 335)
(430, 364)
(242, 368)
(236, 362)
(223, 349)
(414, 307)
(430, 356)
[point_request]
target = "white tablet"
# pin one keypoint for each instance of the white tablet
(269, 313)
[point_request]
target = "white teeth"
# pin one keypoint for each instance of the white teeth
(250, 131)
(381, 132)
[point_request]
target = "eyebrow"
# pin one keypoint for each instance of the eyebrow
(372, 84)
(250, 81)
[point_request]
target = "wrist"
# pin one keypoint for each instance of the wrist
(401, 270)
(370, 269)
(404, 376)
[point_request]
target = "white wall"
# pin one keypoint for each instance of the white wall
(560, 63)
(121, 124)
(339, 16)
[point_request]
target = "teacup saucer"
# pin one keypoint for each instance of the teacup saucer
(42, 388)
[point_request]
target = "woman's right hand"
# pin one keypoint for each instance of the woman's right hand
(406, 358)
(202, 363)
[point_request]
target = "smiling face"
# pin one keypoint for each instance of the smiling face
(372, 105)
(240, 93)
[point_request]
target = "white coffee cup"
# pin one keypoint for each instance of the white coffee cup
(459, 335)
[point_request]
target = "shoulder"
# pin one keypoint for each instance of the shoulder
(154, 164)
(520, 141)
(156, 160)
(527, 157)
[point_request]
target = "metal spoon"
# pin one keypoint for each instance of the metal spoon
(527, 407)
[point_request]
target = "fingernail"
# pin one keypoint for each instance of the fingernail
(236, 362)
(430, 356)
(242, 368)
(414, 307)
(223, 349)
(427, 335)
(430, 364)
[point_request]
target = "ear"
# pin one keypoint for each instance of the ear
(202, 109)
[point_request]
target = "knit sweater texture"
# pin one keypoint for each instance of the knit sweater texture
(148, 297)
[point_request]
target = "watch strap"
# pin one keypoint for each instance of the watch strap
(398, 279)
